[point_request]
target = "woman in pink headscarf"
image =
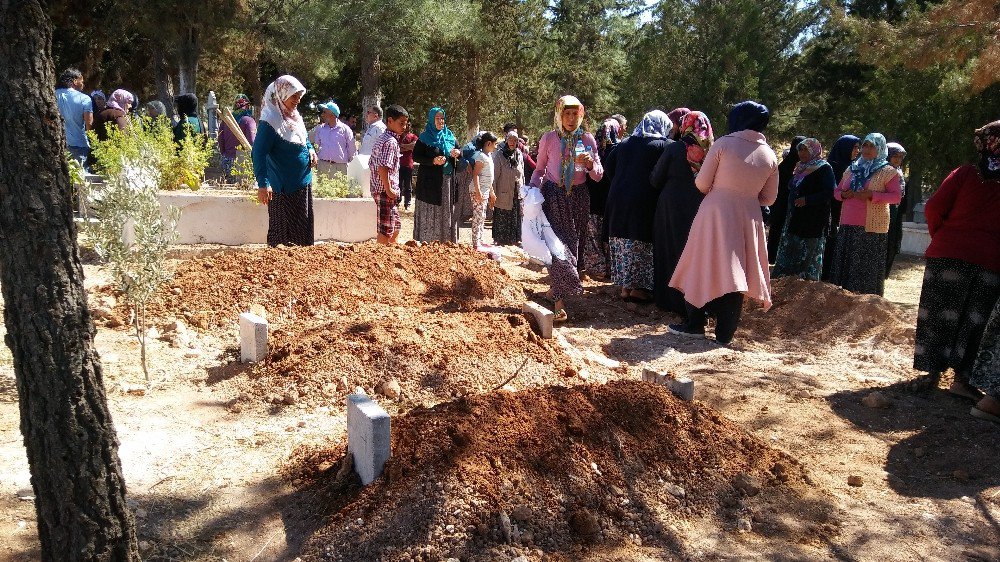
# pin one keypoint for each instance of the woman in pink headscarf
(116, 110)
(566, 157)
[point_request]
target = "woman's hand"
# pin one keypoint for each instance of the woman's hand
(846, 194)
(264, 195)
(313, 158)
(439, 160)
(493, 199)
(586, 159)
(864, 194)
(477, 197)
(800, 202)
(455, 153)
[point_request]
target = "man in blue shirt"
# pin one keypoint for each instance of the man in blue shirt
(77, 112)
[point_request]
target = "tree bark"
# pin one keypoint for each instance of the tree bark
(188, 53)
(472, 102)
(371, 80)
(162, 79)
(70, 440)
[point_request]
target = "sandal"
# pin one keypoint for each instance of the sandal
(639, 296)
(923, 384)
(560, 315)
(965, 390)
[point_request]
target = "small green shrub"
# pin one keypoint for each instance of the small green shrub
(151, 141)
(337, 187)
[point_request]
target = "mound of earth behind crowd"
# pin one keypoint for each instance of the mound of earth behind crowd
(297, 284)
(433, 355)
(814, 311)
(554, 471)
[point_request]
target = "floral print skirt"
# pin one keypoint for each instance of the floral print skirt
(632, 263)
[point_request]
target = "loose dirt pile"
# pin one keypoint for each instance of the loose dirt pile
(811, 311)
(553, 471)
(297, 284)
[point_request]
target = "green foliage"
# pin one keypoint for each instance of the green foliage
(133, 236)
(337, 187)
(152, 141)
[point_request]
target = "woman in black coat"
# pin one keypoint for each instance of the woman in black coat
(628, 213)
(677, 203)
(844, 151)
(804, 233)
(779, 211)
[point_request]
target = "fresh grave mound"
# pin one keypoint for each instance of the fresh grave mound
(311, 282)
(550, 471)
(820, 312)
(433, 355)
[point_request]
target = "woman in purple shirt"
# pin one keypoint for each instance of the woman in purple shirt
(229, 146)
(566, 156)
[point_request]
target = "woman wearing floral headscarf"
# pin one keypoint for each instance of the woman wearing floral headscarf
(867, 189)
(566, 156)
(632, 204)
(726, 255)
(803, 237)
(437, 211)
(962, 277)
(282, 162)
(677, 204)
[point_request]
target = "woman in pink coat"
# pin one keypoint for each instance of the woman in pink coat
(726, 253)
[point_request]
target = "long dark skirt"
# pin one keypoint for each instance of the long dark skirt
(859, 261)
(986, 371)
(596, 257)
(507, 225)
(290, 218)
(568, 214)
(799, 257)
(437, 222)
(894, 238)
(956, 300)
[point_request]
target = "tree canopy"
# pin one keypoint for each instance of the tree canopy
(919, 71)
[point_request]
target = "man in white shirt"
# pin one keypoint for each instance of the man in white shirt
(376, 127)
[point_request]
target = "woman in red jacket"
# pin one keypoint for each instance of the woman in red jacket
(962, 278)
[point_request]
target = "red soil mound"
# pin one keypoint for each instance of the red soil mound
(551, 471)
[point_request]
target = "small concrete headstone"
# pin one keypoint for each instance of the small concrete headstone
(683, 388)
(368, 436)
(253, 338)
(543, 317)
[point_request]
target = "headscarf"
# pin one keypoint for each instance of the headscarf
(119, 99)
(863, 169)
(696, 132)
(444, 140)
(654, 125)
(510, 153)
(894, 148)
(99, 99)
(288, 124)
(749, 115)
(840, 154)
(187, 105)
(677, 115)
(815, 162)
(987, 142)
(158, 107)
(567, 139)
(242, 107)
(608, 135)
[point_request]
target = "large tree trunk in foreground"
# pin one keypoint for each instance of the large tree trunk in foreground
(371, 81)
(70, 440)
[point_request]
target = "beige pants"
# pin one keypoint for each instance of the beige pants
(328, 169)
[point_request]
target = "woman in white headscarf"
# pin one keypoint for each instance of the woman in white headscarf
(631, 205)
(566, 156)
(283, 159)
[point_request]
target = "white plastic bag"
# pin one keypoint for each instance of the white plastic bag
(357, 170)
(537, 238)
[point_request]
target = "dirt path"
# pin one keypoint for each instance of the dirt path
(205, 481)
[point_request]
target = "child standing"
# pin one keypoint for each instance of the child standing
(385, 174)
(481, 188)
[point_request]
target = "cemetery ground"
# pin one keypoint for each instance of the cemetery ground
(800, 445)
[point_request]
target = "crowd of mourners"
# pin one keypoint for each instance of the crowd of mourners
(668, 213)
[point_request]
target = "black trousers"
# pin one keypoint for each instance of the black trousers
(726, 310)
(406, 185)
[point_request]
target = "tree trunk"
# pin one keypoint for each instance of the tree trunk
(187, 61)
(473, 101)
(162, 79)
(371, 80)
(70, 440)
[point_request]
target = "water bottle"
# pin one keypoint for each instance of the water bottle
(580, 149)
